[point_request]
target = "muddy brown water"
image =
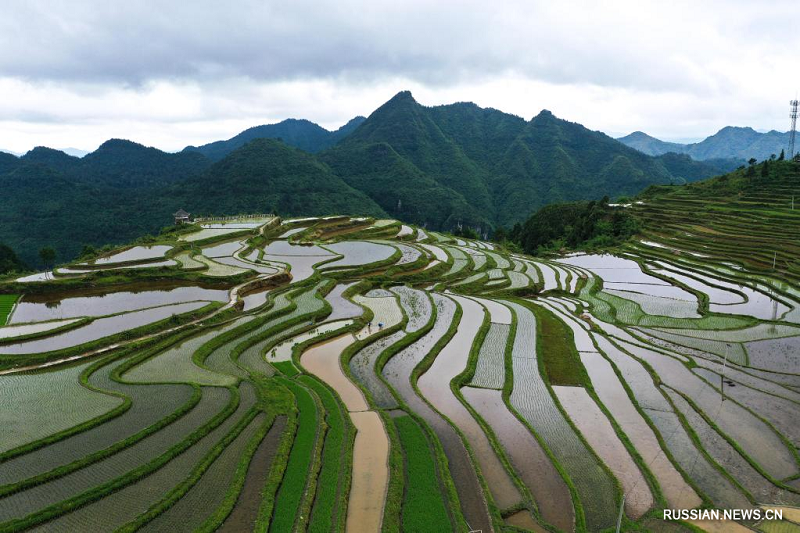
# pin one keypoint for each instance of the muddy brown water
(534, 467)
(434, 385)
(370, 474)
(398, 373)
(599, 433)
(678, 493)
(524, 520)
(245, 512)
(322, 360)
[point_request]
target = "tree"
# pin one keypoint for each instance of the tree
(782, 156)
(752, 161)
(772, 157)
(765, 169)
(89, 251)
(9, 262)
(48, 256)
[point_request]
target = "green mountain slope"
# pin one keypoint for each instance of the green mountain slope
(499, 164)
(302, 134)
(125, 164)
(442, 167)
(8, 162)
(730, 142)
(650, 145)
(745, 217)
(43, 207)
(267, 175)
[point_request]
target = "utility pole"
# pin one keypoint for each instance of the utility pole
(793, 116)
(774, 259)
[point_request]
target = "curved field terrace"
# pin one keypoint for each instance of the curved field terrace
(360, 375)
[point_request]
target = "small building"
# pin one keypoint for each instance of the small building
(181, 217)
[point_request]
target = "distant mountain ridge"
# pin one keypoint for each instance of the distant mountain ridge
(728, 143)
(442, 166)
(460, 163)
(302, 134)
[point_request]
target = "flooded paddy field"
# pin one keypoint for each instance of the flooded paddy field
(730, 459)
(597, 430)
(612, 394)
(40, 308)
(530, 461)
(450, 362)
(448, 422)
(137, 253)
(100, 328)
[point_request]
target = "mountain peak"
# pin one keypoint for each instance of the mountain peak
(401, 98)
(638, 134)
(117, 144)
(403, 95)
(733, 129)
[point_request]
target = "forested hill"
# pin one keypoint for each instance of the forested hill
(734, 144)
(748, 217)
(266, 175)
(500, 165)
(441, 166)
(302, 134)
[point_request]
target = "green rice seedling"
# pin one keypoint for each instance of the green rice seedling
(286, 368)
(292, 491)
(197, 505)
(490, 368)
(37, 405)
(327, 513)
(424, 506)
(7, 302)
(123, 486)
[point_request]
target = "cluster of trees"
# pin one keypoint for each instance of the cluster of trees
(575, 225)
(766, 165)
(9, 262)
(442, 166)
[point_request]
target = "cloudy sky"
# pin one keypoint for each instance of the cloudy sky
(168, 74)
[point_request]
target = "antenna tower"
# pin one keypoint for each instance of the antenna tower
(793, 116)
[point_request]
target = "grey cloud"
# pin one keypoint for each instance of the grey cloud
(431, 42)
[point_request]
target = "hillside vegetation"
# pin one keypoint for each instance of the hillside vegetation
(442, 167)
(728, 146)
(745, 217)
(302, 134)
(358, 374)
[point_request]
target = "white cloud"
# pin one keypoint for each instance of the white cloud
(171, 74)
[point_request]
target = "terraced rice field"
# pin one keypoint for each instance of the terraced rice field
(422, 476)
(134, 254)
(57, 398)
(471, 400)
(7, 302)
(100, 328)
